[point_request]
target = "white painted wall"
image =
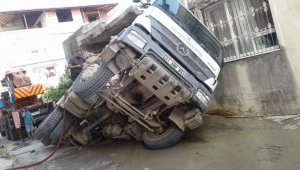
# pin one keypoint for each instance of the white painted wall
(33, 48)
(19, 5)
(38, 73)
(286, 16)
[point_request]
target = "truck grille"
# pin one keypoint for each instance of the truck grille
(192, 59)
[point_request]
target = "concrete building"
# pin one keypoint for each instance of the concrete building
(31, 34)
(260, 38)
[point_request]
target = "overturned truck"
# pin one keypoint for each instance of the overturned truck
(154, 76)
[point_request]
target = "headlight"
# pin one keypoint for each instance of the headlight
(137, 39)
(202, 97)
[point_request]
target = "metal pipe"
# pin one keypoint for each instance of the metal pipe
(129, 105)
(128, 113)
(105, 116)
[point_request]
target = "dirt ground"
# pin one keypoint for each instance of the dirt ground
(221, 144)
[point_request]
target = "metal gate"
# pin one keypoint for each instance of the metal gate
(245, 28)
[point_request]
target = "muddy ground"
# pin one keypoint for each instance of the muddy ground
(221, 144)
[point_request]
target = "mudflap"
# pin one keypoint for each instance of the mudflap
(190, 119)
(177, 119)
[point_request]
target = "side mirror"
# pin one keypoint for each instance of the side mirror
(136, 1)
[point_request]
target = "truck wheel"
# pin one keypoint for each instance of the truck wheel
(3, 126)
(91, 80)
(13, 134)
(46, 140)
(167, 139)
(73, 142)
(7, 133)
(2, 121)
(57, 131)
(49, 123)
(3, 133)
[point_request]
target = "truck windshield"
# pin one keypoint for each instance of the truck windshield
(193, 27)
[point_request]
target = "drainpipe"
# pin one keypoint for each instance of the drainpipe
(25, 20)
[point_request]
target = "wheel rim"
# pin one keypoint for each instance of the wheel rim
(89, 72)
(159, 133)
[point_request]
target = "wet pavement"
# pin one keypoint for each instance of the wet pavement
(221, 144)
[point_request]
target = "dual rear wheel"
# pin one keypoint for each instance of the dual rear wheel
(50, 129)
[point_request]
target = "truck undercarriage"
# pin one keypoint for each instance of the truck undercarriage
(137, 88)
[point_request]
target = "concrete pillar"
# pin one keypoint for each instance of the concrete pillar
(76, 14)
(51, 18)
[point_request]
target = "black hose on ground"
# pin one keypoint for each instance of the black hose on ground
(55, 148)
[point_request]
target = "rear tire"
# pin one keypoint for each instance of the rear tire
(3, 133)
(73, 142)
(55, 135)
(8, 127)
(46, 140)
(7, 133)
(3, 126)
(49, 123)
(93, 83)
(13, 134)
(167, 139)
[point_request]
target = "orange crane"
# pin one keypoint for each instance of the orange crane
(19, 93)
(21, 90)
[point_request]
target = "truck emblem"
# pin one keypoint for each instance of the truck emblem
(182, 49)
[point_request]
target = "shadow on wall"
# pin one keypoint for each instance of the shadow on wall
(258, 86)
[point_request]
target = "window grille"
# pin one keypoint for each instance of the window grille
(244, 27)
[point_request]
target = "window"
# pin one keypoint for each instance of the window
(64, 15)
(91, 14)
(50, 72)
(192, 27)
(92, 17)
(244, 27)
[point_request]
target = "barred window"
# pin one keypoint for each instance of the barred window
(244, 27)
